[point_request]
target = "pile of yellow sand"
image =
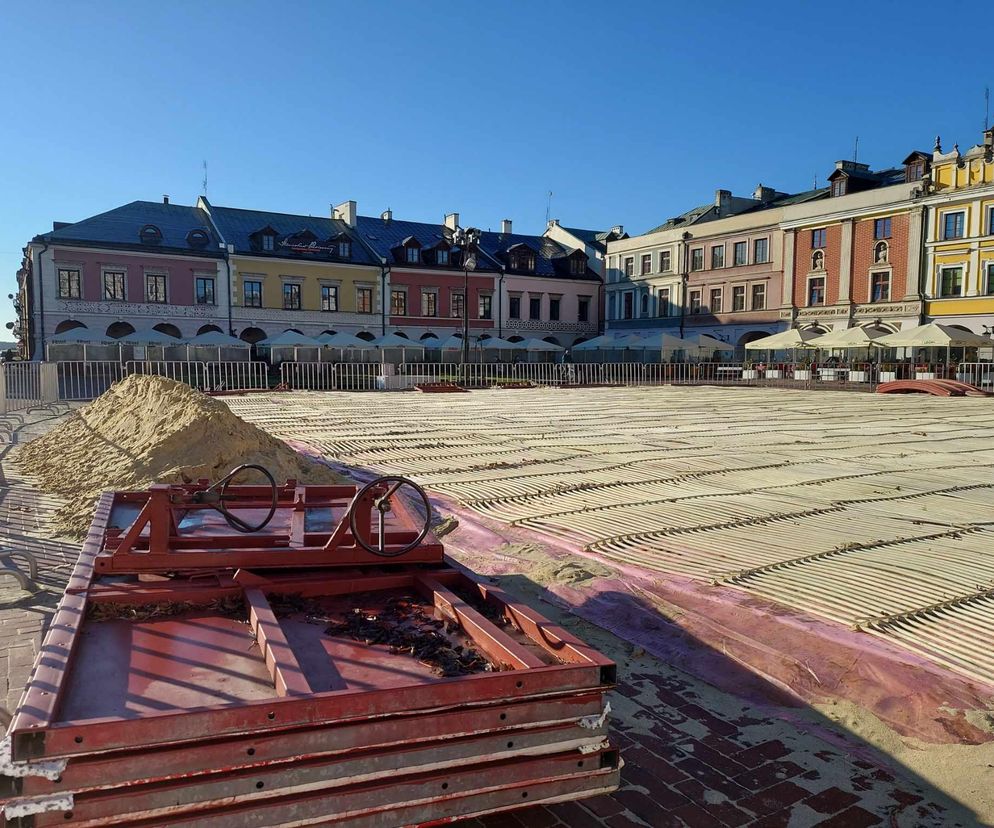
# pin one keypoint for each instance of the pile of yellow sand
(148, 430)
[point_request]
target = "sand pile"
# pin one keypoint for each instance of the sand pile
(151, 430)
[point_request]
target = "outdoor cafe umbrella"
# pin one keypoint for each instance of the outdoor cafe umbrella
(536, 345)
(212, 339)
(344, 342)
(703, 342)
(597, 343)
(392, 340)
(80, 336)
(789, 340)
(934, 335)
(660, 342)
(149, 337)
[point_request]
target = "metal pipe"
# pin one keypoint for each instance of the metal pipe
(41, 304)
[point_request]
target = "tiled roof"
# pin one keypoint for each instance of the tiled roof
(120, 228)
(237, 225)
(386, 235)
(546, 250)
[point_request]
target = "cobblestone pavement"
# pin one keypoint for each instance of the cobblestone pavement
(693, 756)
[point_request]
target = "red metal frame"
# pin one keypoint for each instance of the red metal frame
(201, 682)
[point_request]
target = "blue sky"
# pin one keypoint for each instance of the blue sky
(628, 112)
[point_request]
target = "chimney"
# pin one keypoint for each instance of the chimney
(618, 230)
(764, 194)
(452, 221)
(387, 214)
(346, 211)
(505, 227)
(553, 223)
(723, 201)
(165, 199)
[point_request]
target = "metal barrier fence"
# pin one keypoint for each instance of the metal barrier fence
(980, 374)
(21, 386)
(87, 380)
(327, 376)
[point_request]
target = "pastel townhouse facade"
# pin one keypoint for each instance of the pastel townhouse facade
(715, 269)
(546, 289)
(853, 257)
(308, 274)
(959, 270)
(428, 290)
(141, 266)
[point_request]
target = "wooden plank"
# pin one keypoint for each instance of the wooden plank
(282, 663)
(493, 641)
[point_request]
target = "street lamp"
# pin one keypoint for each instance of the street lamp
(467, 240)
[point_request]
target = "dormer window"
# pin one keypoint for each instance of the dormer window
(150, 234)
(345, 249)
(523, 260)
(839, 187)
(413, 255)
(197, 238)
(268, 242)
(915, 171)
(441, 257)
(578, 265)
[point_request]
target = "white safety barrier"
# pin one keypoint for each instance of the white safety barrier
(980, 374)
(87, 380)
(21, 386)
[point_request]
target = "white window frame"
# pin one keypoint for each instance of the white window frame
(766, 258)
(669, 261)
(824, 289)
(721, 299)
(735, 246)
(942, 225)
(962, 284)
(751, 295)
(890, 283)
(745, 296)
(720, 247)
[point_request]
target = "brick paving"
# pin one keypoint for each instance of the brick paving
(694, 756)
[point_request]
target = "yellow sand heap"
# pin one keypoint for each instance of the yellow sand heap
(148, 430)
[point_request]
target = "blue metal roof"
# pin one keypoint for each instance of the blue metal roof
(546, 251)
(385, 235)
(237, 225)
(120, 227)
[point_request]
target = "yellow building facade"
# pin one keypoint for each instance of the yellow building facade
(959, 274)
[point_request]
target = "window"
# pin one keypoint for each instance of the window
(628, 305)
(629, 266)
(486, 306)
(717, 257)
(695, 301)
(761, 251)
(664, 261)
(818, 260)
(253, 294)
(412, 255)
(205, 291)
(816, 291)
(989, 281)
(150, 234)
(880, 287)
(759, 297)
(663, 302)
(268, 243)
(881, 228)
(69, 284)
(644, 305)
(534, 307)
(364, 300)
(429, 303)
(345, 250)
(291, 296)
(951, 282)
(398, 303)
(697, 258)
(739, 298)
(715, 304)
(457, 305)
(583, 309)
(915, 172)
(523, 261)
(513, 307)
(612, 306)
(113, 286)
(838, 187)
(818, 238)
(578, 265)
(329, 297)
(952, 225)
(741, 253)
(155, 288)
(646, 263)
(990, 221)
(442, 257)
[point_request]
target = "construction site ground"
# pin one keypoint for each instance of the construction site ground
(721, 544)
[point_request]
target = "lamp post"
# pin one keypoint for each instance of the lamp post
(467, 241)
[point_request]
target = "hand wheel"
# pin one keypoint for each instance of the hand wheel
(382, 506)
(218, 501)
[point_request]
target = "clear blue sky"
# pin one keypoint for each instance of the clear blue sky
(628, 112)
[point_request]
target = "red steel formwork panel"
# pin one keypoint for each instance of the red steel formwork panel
(213, 688)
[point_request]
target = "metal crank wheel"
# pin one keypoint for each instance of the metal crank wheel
(218, 498)
(382, 506)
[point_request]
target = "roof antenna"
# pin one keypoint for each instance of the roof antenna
(548, 209)
(814, 186)
(204, 182)
(855, 150)
(987, 108)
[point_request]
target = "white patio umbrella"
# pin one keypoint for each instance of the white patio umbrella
(79, 336)
(450, 343)
(850, 338)
(148, 337)
(538, 345)
(495, 343)
(392, 340)
(215, 339)
(343, 340)
(703, 342)
(784, 341)
(660, 342)
(934, 335)
(597, 343)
